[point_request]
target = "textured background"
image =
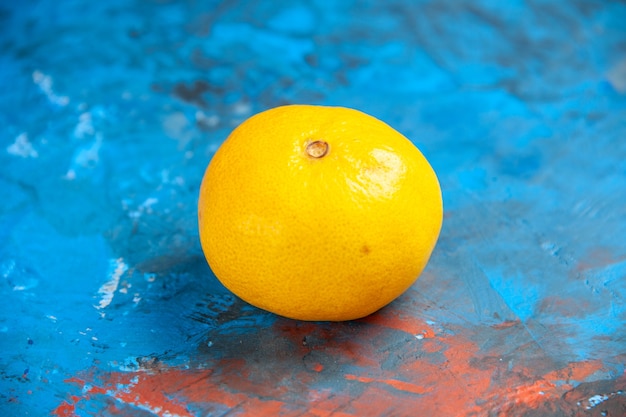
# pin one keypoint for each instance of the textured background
(111, 110)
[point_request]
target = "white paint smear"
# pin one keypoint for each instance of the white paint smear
(107, 290)
(22, 147)
(84, 127)
(45, 84)
(145, 207)
(595, 400)
(599, 399)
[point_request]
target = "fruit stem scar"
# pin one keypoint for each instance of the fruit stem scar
(317, 149)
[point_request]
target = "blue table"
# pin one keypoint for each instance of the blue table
(110, 112)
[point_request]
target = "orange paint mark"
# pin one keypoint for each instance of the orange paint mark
(432, 346)
(446, 375)
(575, 372)
(394, 383)
(146, 391)
(127, 389)
(65, 409)
(82, 383)
(543, 389)
(463, 385)
(533, 394)
(322, 403)
(75, 380)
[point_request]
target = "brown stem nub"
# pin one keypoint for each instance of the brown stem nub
(317, 149)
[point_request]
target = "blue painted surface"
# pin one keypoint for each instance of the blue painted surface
(110, 112)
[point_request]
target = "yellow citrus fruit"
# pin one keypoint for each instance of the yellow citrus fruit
(318, 213)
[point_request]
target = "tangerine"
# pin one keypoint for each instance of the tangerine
(318, 213)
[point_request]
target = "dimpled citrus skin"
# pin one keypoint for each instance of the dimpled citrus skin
(329, 231)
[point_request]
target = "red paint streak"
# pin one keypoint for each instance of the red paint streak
(462, 385)
(65, 409)
(443, 375)
(533, 394)
(322, 403)
(394, 383)
(452, 387)
(75, 380)
(575, 372)
(550, 387)
(148, 391)
(131, 389)
(81, 383)
(432, 345)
